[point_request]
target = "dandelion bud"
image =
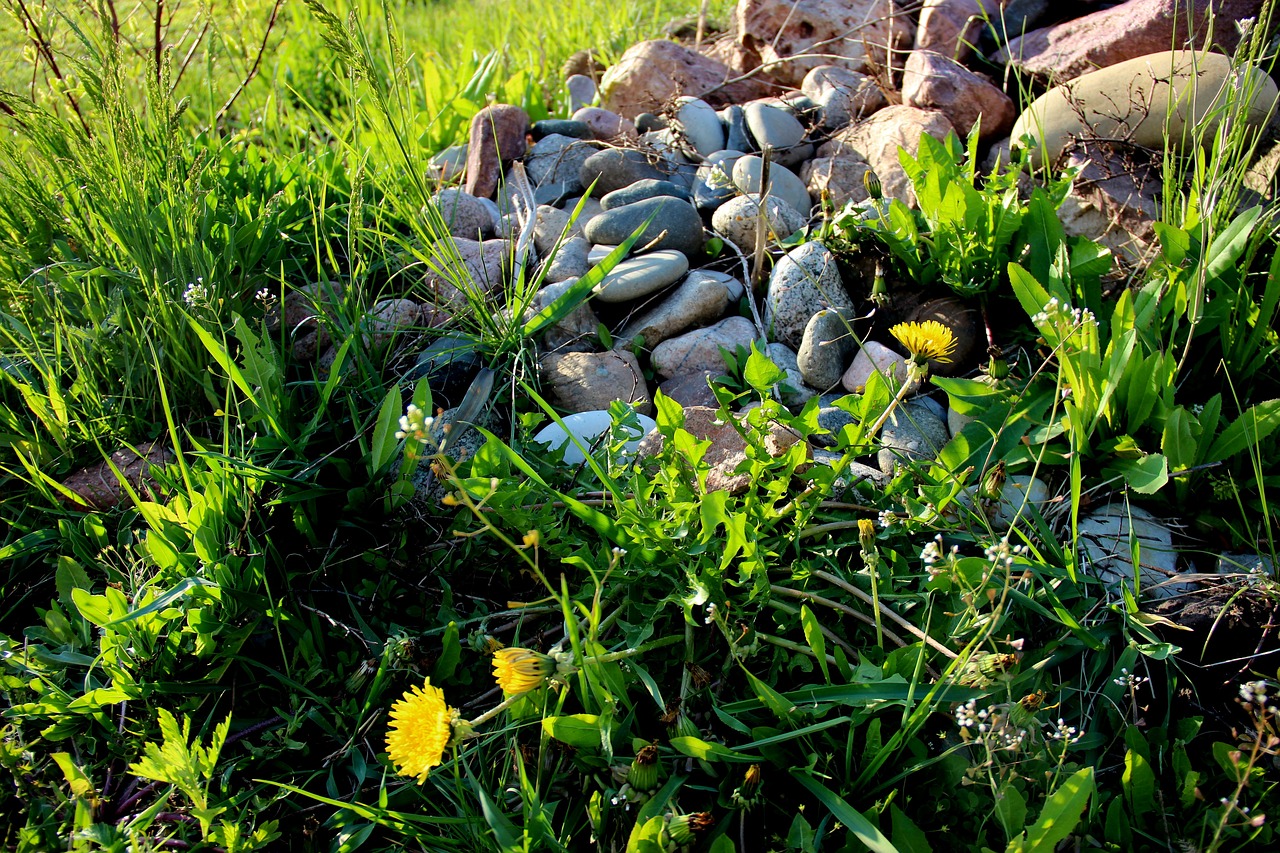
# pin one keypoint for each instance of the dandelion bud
(997, 366)
(872, 185)
(867, 533)
(748, 793)
(879, 288)
(683, 829)
(521, 670)
(682, 726)
(532, 539)
(993, 482)
(646, 770)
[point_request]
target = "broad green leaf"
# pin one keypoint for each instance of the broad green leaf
(69, 576)
(1060, 815)
(384, 441)
(853, 819)
(1011, 810)
(907, 837)
(817, 642)
(449, 655)
(578, 730)
(1253, 425)
(1139, 783)
(1146, 475)
(706, 751)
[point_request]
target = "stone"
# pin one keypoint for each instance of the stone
(780, 130)
(699, 125)
(591, 431)
(792, 389)
(874, 358)
(497, 137)
(833, 419)
(1124, 32)
(569, 260)
(932, 81)
(576, 331)
(551, 226)
(390, 318)
(783, 183)
(803, 282)
(700, 349)
(913, 432)
(825, 349)
(449, 363)
(701, 299)
(853, 475)
(1114, 201)
(678, 219)
(99, 488)
(560, 127)
(842, 96)
(584, 62)
(605, 125)
(648, 122)
(463, 214)
(878, 139)
(640, 276)
(1136, 100)
(591, 208)
(737, 137)
(965, 324)
(728, 448)
(1106, 537)
(477, 267)
(952, 27)
(460, 443)
(615, 168)
(449, 165)
(737, 220)
(640, 190)
(300, 313)
(839, 178)
(691, 389)
(1018, 496)
(584, 381)
(713, 183)
(651, 73)
(1017, 18)
(582, 91)
(794, 36)
(1252, 565)
(557, 159)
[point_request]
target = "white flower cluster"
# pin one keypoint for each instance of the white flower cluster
(196, 295)
(1129, 679)
(1063, 318)
(887, 518)
(1003, 554)
(415, 424)
(1254, 696)
(991, 726)
(1060, 731)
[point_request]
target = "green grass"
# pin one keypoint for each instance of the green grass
(212, 664)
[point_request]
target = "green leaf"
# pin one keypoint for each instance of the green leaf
(907, 837)
(1011, 810)
(449, 656)
(577, 730)
(1060, 816)
(760, 372)
(165, 600)
(1145, 476)
(81, 786)
(701, 749)
(853, 819)
(1253, 425)
(70, 576)
(1139, 783)
(813, 635)
(384, 441)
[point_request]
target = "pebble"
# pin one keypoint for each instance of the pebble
(691, 389)
(649, 123)
(679, 219)
(853, 474)
(559, 127)
(605, 125)
(825, 349)
(587, 428)
(793, 390)
(1106, 539)
(804, 282)
(582, 91)
(615, 168)
(497, 136)
(833, 419)
(569, 260)
(1019, 494)
(700, 349)
(558, 159)
(842, 96)
(642, 275)
(701, 298)
(463, 214)
(737, 220)
(728, 448)
(873, 358)
(700, 125)
(783, 183)
(913, 431)
(640, 190)
(449, 164)
(780, 130)
(709, 193)
(737, 137)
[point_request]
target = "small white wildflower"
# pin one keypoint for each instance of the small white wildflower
(1254, 694)
(1129, 679)
(711, 613)
(196, 294)
(887, 518)
(415, 424)
(619, 552)
(1064, 733)
(932, 552)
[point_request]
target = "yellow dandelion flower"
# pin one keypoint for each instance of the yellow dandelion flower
(521, 670)
(926, 341)
(421, 729)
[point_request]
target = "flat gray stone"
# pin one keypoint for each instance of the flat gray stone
(641, 190)
(1106, 551)
(615, 168)
(700, 125)
(737, 138)
(679, 219)
(642, 275)
(780, 130)
(701, 299)
(700, 349)
(913, 431)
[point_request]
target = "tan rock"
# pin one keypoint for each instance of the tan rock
(98, 486)
(932, 81)
(1114, 201)
(795, 36)
(587, 381)
(952, 27)
(878, 139)
(845, 96)
(728, 448)
(653, 72)
(839, 177)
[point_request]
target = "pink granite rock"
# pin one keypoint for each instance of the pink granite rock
(932, 81)
(728, 448)
(98, 487)
(952, 27)
(497, 137)
(653, 72)
(1132, 29)
(878, 138)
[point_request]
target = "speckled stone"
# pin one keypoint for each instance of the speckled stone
(737, 220)
(804, 282)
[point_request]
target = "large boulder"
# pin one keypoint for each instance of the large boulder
(1143, 101)
(1132, 29)
(792, 37)
(651, 73)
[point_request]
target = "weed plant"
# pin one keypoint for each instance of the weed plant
(813, 663)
